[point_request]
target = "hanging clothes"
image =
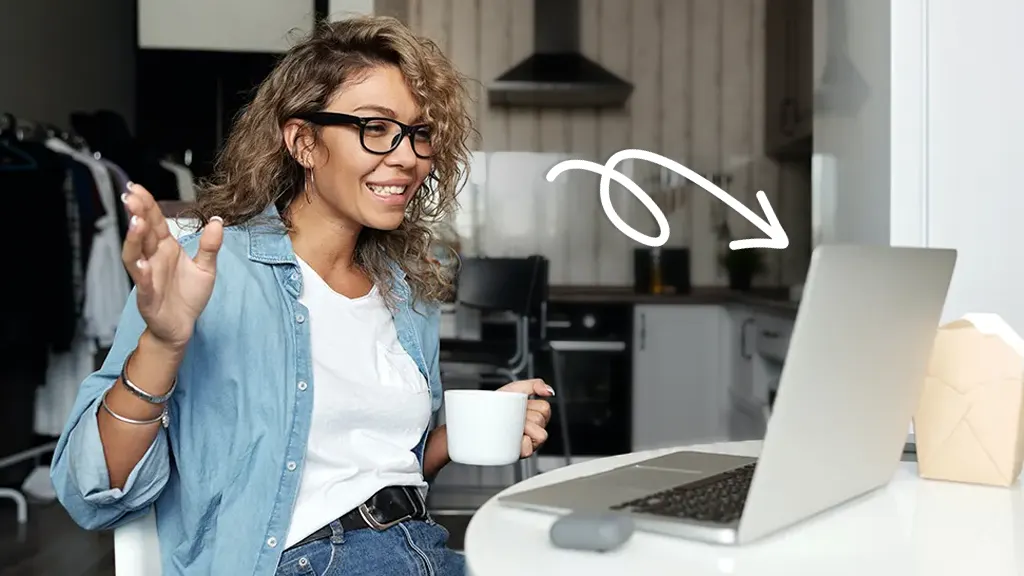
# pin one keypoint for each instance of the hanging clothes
(65, 370)
(121, 180)
(106, 282)
(37, 201)
(107, 132)
(186, 182)
(41, 317)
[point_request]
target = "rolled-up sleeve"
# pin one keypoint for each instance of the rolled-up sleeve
(88, 467)
(79, 468)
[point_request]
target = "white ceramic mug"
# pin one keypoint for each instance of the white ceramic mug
(485, 428)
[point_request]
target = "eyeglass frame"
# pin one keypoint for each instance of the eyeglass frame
(342, 119)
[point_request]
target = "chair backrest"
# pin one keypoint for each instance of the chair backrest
(516, 285)
(136, 548)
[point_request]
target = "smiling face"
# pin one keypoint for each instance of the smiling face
(356, 186)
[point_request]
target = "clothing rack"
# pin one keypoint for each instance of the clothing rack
(16, 495)
(24, 131)
(75, 176)
(29, 131)
(17, 130)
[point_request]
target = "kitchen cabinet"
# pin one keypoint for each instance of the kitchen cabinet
(789, 78)
(741, 415)
(704, 373)
(753, 350)
(677, 376)
(771, 348)
(740, 344)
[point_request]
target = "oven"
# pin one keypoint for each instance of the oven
(593, 344)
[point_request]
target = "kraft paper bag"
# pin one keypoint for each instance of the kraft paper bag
(969, 423)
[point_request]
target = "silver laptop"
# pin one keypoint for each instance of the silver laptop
(850, 385)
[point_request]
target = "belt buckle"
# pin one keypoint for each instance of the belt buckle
(367, 515)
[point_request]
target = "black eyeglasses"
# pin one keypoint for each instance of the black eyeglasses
(378, 135)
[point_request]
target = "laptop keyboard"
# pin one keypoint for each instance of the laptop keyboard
(717, 499)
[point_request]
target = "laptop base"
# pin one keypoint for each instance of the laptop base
(605, 491)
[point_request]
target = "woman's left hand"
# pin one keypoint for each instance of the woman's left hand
(538, 413)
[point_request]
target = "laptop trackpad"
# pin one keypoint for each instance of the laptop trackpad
(635, 482)
(606, 489)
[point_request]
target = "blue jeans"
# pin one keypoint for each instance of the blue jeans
(412, 548)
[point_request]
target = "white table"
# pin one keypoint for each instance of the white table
(912, 526)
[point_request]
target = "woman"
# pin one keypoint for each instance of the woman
(273, 378)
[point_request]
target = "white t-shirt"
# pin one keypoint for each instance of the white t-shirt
(371, 406)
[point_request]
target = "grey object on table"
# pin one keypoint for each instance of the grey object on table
(591, 531)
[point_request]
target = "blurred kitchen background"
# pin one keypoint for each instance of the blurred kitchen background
(672, 346)
(656, 347)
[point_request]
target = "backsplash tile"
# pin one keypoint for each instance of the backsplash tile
(508, 208)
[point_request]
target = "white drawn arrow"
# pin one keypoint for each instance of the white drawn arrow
(777, 237)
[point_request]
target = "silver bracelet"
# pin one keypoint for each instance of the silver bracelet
(139, 392)
(164, 418)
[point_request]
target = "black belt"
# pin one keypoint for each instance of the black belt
(383, 510)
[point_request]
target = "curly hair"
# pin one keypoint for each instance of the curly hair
(255, 168)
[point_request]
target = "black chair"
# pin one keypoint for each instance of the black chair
(504, 291)
(513, 290)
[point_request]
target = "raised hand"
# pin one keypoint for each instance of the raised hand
(171, 288)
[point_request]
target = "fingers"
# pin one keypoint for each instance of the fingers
(209, 245)
(538, 414)
(538, 411)
(132, 252)
(151, 211)
(135, 201)
(143, 281)
(527, 448)
(534, 386)
(536, 435)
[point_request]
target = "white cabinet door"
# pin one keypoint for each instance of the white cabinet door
(739, 344)
(677, 379)
(740, 412)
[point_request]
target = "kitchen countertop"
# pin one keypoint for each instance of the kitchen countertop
(773, 300)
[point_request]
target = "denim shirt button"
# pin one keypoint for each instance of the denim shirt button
(272, 542)
(300, 318)
(291, 466)
(303, 385)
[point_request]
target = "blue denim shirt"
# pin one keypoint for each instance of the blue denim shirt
(221, 476)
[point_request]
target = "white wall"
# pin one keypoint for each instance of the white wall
(223, 25)
(947, 176)
(338, 9)
(974, 150)
(57, 57)
(233, 25)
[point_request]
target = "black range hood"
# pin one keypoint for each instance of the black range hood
(557, 74)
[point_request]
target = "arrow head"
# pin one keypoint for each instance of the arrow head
(777, 238)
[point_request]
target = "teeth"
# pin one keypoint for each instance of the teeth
(386, 190)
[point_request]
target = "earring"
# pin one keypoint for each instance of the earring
(310, 185)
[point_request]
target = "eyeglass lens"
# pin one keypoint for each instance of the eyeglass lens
(383, 136)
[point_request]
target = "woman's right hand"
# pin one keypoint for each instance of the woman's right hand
(171, 288)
